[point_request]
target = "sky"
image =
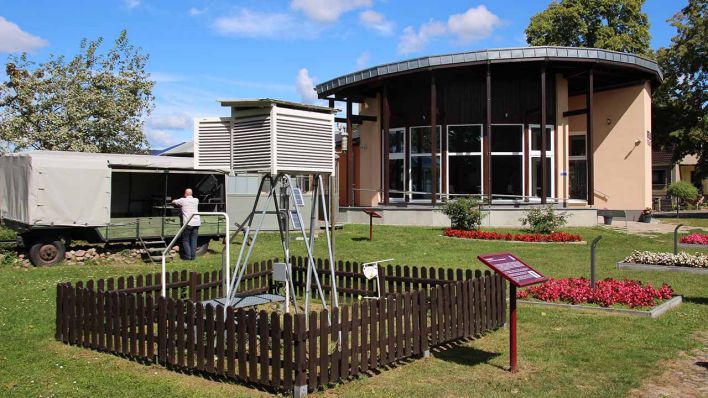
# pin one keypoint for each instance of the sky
(204, 50)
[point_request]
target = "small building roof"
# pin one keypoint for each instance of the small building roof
(502, 55)
(267, 102)
(182, 149)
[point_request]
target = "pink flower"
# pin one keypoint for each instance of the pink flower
(608, 292)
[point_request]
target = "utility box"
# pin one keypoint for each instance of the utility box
(268, 136)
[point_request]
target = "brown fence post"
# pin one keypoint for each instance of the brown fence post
(423, 319)
(162, 330)
(193, 282)
(59, 315)
(300, 388)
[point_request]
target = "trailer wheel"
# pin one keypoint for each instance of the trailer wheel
(202, 246)
(47, 252)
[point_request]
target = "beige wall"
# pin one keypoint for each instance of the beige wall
(370, 159)
(622, 153)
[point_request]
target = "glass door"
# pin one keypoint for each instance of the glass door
(421, 178)
(577, 166)
(534, 165)
(396, 163)
(507, 161)
(464, 159)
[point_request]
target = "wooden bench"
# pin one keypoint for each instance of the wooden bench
(615, 213)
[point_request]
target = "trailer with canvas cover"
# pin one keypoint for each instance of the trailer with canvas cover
(51, 198)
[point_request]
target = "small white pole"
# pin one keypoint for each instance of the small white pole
(164, 277)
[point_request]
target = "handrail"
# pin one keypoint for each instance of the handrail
(227, 261)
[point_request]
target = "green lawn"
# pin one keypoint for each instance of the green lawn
(562, 353)
(691, 222)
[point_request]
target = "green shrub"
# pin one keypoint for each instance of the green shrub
(464, 213)
(683, 190)
(543, 220)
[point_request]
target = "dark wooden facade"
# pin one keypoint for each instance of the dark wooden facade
(495, 92)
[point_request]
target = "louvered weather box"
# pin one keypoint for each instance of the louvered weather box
(267, 136)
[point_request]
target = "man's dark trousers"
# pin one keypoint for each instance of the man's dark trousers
(189, 242)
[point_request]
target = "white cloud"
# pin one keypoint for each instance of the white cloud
(194, 11)
(171, 121)
(474, 24)
(248, 23)
(327, 11)
(13, 39)
(362, 61)
(412, 41)
(305, 86)
(131, 3)
(166, 77)
(376, 21)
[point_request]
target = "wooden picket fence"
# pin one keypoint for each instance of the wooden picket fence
(417, 312)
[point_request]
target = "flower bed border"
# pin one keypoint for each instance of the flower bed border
(653, 313)
(693, 246)
(659, 267)
(579, 242)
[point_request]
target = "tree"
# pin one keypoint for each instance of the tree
(618, 25)
(95, 102)
(680, 117)
(683, 191)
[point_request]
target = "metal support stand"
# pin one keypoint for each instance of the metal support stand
(287, 200)
(676, 239)
(512, 329)
(593, 245)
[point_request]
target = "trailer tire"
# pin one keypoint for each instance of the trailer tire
(45, 253)
(202, 246)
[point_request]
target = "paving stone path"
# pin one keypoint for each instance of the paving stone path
(685, 377)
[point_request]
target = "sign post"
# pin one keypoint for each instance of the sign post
(372, 214)
(519, 274)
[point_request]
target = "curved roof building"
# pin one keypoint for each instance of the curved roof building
(488, 107)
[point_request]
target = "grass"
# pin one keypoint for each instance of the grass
(691, 222)
(562, 353)
(7, 233)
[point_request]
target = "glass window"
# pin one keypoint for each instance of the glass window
(396, 138)
(421, 176)
(536, 138)
(507, 138)
(507, 175)
(658, 177)
(578, 179)
(420, 140)
(465, 174)
(536, 177)
(395, 182)
(464, 139)
(577, 145)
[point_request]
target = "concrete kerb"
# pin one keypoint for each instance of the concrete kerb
(661, 268)
(652, 313)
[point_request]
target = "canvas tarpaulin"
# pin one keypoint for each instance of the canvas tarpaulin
(66, 188)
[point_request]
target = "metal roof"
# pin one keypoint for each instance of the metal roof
(104, 160)
(266, 102)
(550, 53)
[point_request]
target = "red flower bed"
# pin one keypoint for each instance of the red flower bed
(490, 235)
(695, 239)
(608, 292)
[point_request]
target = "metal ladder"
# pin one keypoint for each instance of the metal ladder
(154, 248)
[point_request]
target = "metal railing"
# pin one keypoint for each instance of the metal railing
(225, 259)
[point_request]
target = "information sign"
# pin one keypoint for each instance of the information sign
(512, 269)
